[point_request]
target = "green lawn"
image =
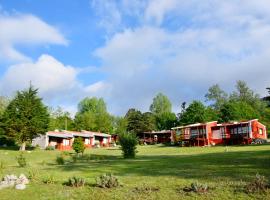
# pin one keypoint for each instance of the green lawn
(226, 170)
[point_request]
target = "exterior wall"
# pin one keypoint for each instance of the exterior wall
(41, 141)
(230, 133)
(258, 130)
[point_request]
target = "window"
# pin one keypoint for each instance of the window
(65, 142)
(260, 131)
(86, 141)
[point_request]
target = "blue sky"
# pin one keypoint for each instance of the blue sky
(127, 51)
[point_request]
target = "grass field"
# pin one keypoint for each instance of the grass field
(225, 170)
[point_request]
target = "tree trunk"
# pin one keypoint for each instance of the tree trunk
(23, 146)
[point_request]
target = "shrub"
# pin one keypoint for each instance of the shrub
(107, 181)
(60, 160)
(78, 145)
(146, 189)
(21, 160)
(197, 187)
(2, 165)
(128, 144)
(259, 184)
(75, 182)
(33, 174)
(50, 148)
(49, 179)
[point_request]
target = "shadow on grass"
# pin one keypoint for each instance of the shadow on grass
(232, 165)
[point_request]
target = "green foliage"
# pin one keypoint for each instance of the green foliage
(107, 181)
(93, 115)
(134, 121)
(165, 120)
(60, 160)
(75, 182)
(197, 188)
(50, 148)
(49, 179)
(146, 189)
(93, 105)
(258, 185)
(21, 160)
(33, 174)
(217, 96)
(61, 120)
(120, 124)
(78, 145)
(195, 113)
(148, 121)
(237, 110)
(4, 101)
(128, 142)
(2, 165)
(161, 104)
(25, 117)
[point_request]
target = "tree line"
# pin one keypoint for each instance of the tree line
(25, 116)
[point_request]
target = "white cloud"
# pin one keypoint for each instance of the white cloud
(25, 30)
(214, 42)
(58, 84)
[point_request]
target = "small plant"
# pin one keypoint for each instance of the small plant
(21, 160)
(197, 188)
(60, 160)
(146, 189)
(75, 182)
(259, 184)
(49, 179)
(2, 165)
(50, 148)
(107, 181)
(33, 174)
(78, 145)
(128, 144)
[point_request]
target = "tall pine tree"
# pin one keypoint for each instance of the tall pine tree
(25, 117)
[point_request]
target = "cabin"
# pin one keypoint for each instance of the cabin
(63, 140)
(213, 133)
(151, 137)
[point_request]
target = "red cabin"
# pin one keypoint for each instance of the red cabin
(212, 133)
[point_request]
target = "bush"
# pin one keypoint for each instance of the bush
(33, 174)
(49, 179)
(78, 145)
(128, 144)
(146, 189)
(21, 160)
(259, 184)
(107, 181)
(60, 160)
(75, 182)
(50, 148)
(197, 187)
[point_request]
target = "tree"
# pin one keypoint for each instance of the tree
(59, 119)
(217, 96)
(161, 104)
(165, 121)
(78, 145)
(120, 125)
(94, 105)
(148, 121)
(134, 121)
(237, 110)
(195, 113)
(4, 101)
(92, 115)
(25, 117)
